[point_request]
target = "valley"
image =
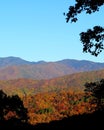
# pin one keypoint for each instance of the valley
(60, 94)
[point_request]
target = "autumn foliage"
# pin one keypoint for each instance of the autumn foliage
(50, 100)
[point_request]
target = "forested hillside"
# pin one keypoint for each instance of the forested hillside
(14, 68)
(73, 82)
(53, 99)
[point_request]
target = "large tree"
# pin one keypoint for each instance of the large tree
(92, 39)
(12, 107)
(96, 90)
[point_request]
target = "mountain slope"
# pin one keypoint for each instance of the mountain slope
(38, 71)
(70, 82)
(82, 65)
(14, 68)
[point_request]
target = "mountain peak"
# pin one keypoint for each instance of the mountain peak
(15, 67)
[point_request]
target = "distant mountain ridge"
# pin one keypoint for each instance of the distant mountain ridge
(12, 61)
(15, 67)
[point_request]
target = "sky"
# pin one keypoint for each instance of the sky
(36, 30)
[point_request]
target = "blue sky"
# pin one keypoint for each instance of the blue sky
(36, 30)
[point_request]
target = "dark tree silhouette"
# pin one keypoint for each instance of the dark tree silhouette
(96, 89)
(92, 40)
(3, 100)
(12, 104)
(16, 105)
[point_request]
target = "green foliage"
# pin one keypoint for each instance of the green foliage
(45, 111)
(86, 99)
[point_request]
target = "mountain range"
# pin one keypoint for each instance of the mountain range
(74, 82)
(15, 67)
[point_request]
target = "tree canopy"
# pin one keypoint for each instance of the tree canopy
(92, 39)
(96, 89)
(12, 107)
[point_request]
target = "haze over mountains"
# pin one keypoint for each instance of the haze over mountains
(15, 67)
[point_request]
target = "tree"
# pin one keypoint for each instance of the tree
(12, 104)
(92, 39)
(16, 105)
(96, 89)
(3, 100)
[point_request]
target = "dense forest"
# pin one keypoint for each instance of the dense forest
(50, 108)
(46, 101)
(74, 82)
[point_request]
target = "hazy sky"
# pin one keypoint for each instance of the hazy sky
(36, 30)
